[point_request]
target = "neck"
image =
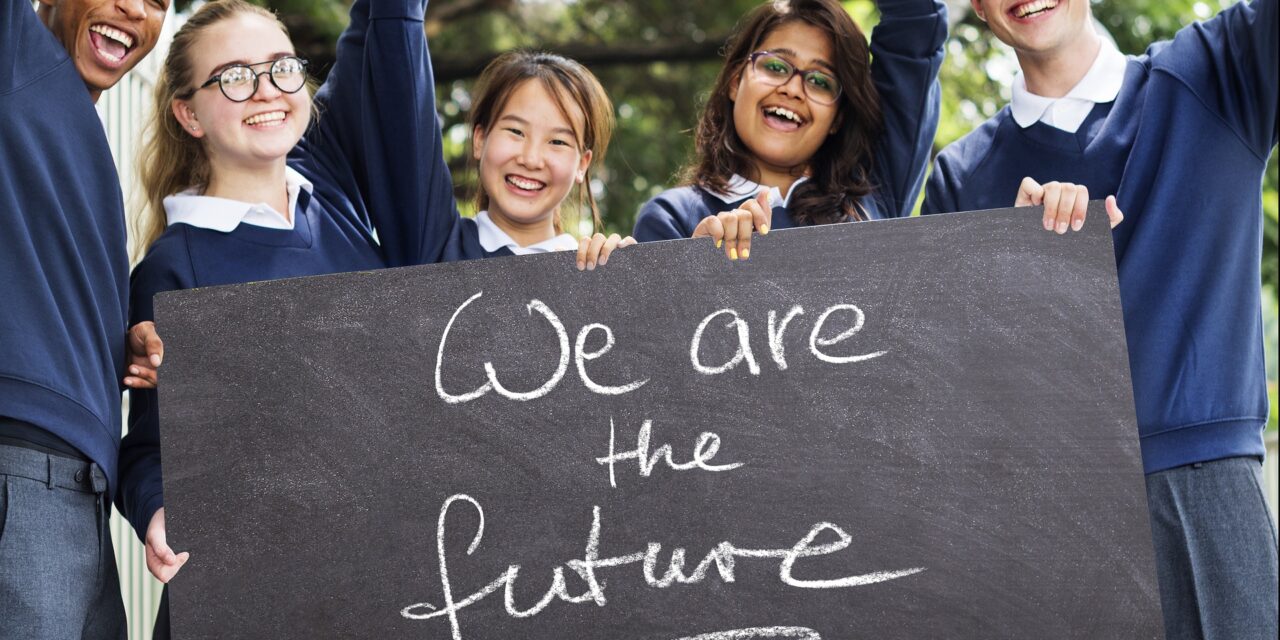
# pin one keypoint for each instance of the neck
(781, 177)
(1052, 74)
(524, 233)
(241, 182)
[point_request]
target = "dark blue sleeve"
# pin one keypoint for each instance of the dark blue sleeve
(940, 191)
(140, 493)
(906, 54)
(663, 218)
(1230, 62)
(27, 49)
(378, 123)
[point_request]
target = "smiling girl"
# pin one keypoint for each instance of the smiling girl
(538, 124)
(806, 124)
(247, 183)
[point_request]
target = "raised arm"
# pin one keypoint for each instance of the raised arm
(906, 54)
(1230, 62)
(378, 131)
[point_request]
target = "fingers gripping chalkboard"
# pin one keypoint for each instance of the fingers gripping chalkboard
(920, 428)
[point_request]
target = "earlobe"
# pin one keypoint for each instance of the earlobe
(733, 87)
(583, 165)
(186, 118)
(977, 9)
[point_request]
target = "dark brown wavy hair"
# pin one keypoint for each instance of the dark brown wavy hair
(841, 168)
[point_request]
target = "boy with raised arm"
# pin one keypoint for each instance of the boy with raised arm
(63, 280)
(1181, 136)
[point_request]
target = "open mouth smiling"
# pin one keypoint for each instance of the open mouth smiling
(1033, 9)
(266, 119)
(111, 44)
(783, 118)
(525, 184)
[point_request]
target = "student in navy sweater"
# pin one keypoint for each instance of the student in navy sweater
(804, 111)
(63, 280)
(1181, 135)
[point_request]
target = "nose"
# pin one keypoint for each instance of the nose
(530, 155)
(794, 86)
(267, 89)
(133, 9)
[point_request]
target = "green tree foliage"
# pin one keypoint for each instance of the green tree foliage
(657, 59)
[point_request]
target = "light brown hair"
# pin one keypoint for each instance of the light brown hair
(569, 83)
(170, 160)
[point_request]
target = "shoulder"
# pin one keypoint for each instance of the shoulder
(677, 200)
(968, 152)
(167, 265)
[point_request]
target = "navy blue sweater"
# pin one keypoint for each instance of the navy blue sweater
(1183, 147)
(906, 53)
(63, 263)
(375, 160)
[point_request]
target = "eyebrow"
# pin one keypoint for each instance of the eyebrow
(564, 130)
(242, 62)
(791, 54)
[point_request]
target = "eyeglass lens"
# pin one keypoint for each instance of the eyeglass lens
(819, 86)
(239, 83)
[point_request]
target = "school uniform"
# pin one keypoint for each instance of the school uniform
(906, 54)
(1181, 136)
(63, 280)
(359, 184)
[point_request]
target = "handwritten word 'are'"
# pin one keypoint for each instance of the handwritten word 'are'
(777, 330)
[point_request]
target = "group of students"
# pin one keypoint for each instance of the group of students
(806, 124)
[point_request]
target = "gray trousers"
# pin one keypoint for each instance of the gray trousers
(1215, 550)
(58, 575)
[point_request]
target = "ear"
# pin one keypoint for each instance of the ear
(477, 142)
(733, 87)
(186, 117)
(836, 124)
(977, 8)
(583, 164)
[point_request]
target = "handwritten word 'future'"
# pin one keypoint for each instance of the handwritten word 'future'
(723, 557)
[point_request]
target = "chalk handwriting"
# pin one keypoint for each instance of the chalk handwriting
(723, 557)
(742, 332)
(706, 448)
(562, 366)
(786, 633)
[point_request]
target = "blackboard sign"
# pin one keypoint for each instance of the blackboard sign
(920, 428)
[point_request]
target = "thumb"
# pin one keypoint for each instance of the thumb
(1114, 214)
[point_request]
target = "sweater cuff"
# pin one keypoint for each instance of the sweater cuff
(910, 8)
(141, 518)
(397, 10)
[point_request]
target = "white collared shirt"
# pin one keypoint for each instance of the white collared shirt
(225, 214)
(740, 188)
(1100, 85)
(492, 238)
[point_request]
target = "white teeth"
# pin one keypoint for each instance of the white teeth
(527, 185)
(270, 116)
(1030, 8)
(785, 113)
(113, 33)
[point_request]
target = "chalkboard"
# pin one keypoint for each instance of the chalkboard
(919, 428)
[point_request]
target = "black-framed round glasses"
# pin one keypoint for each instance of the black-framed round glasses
(774, 70)
(239, 82)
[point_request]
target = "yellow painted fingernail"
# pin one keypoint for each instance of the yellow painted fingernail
(746, 253)
(764, 229)
(718, 243)
(733, 254)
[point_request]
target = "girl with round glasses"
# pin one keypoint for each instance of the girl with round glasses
(247, 181)
(802, 127)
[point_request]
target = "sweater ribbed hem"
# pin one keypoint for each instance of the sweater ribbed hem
(1201, 443)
